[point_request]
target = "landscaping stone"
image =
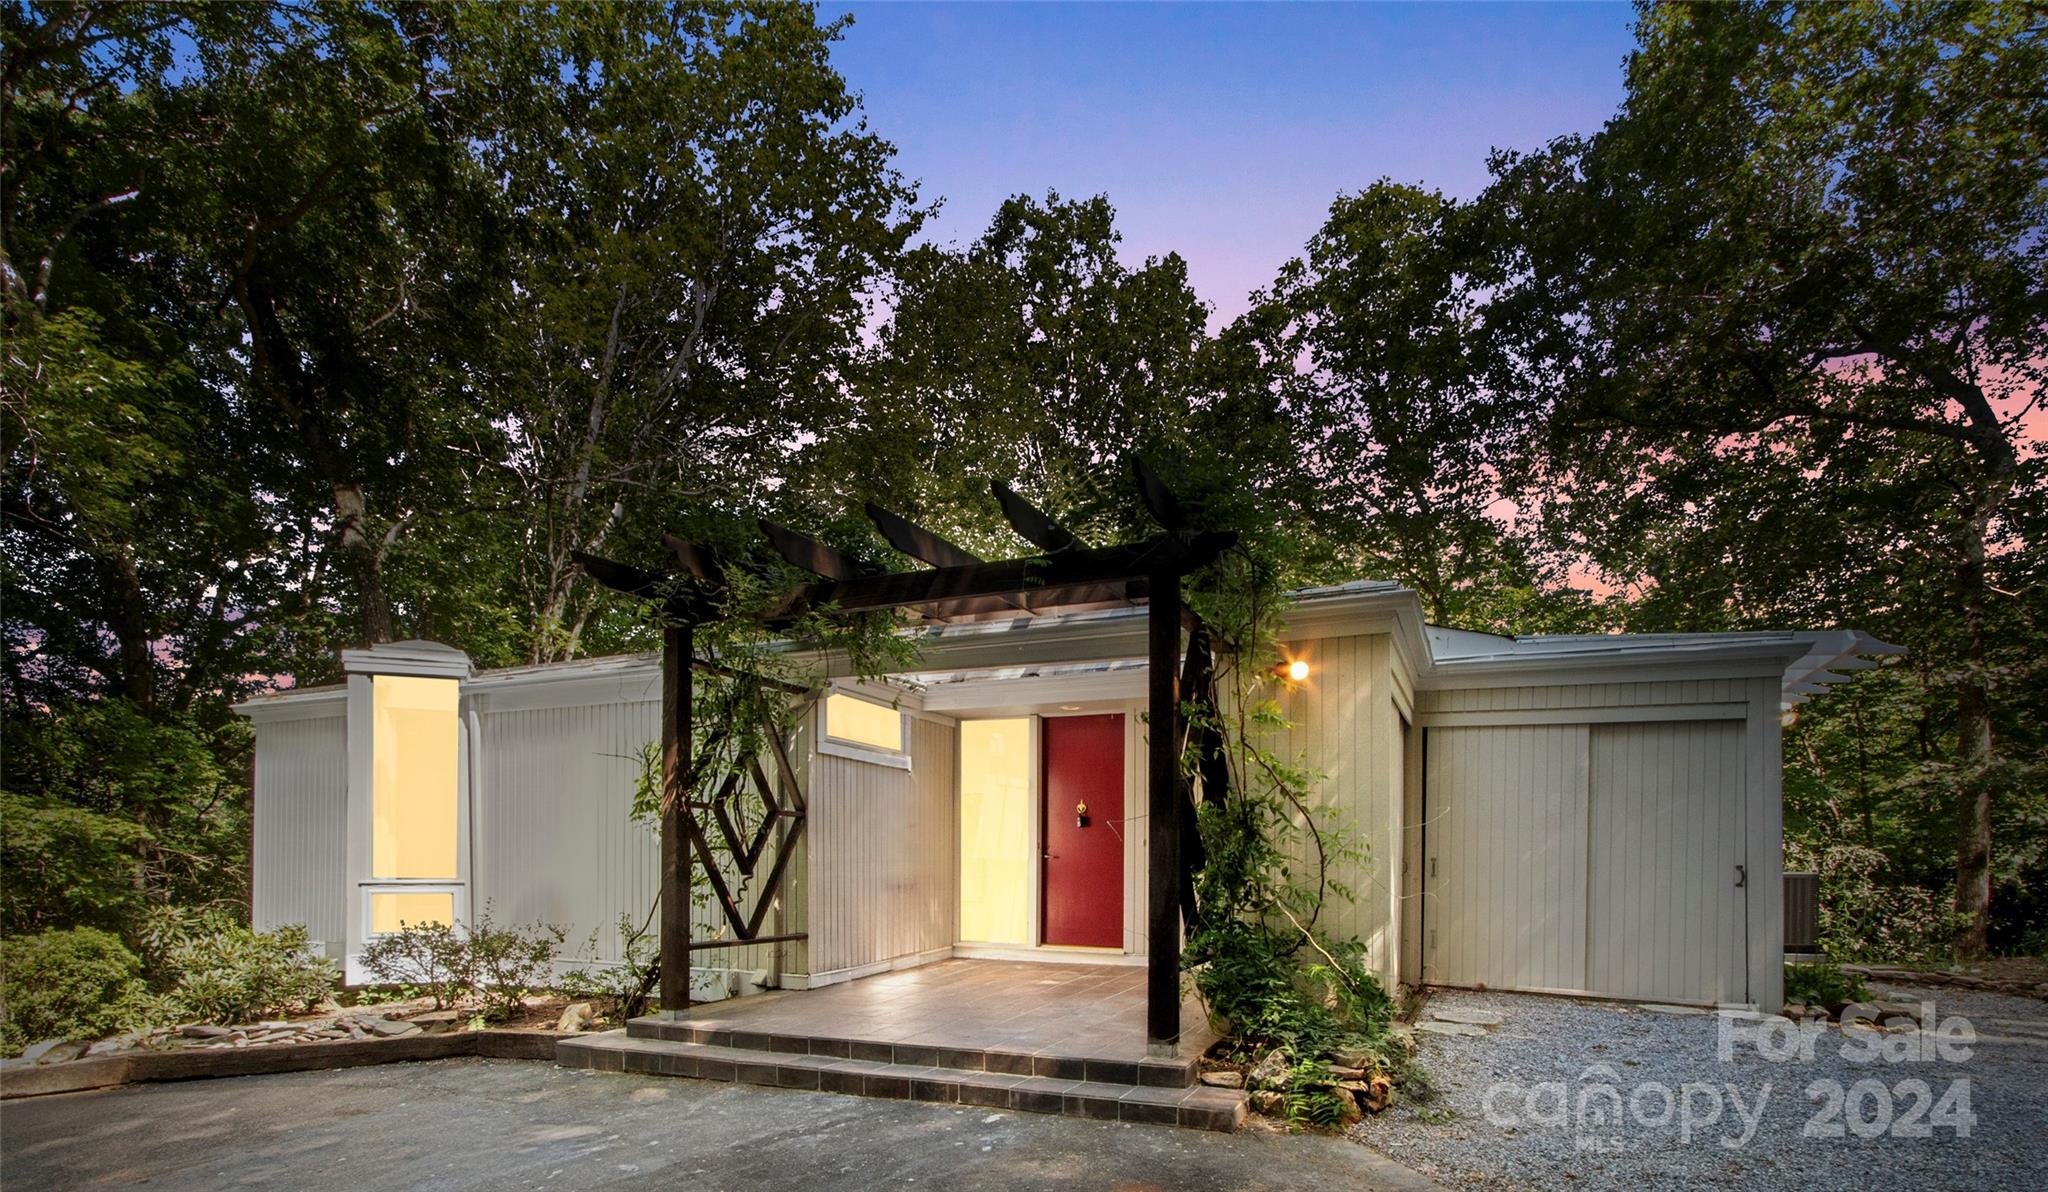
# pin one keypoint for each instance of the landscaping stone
(1343, 1073)
(575, 1017)
(1271, 1072)
(52, 1051)
(1269, 1103)
(1468, 1017)
(1224, 1079)
(204, 1030)
(1450, 1028)
(433, 1016)
(387, 1028)
(1674, 1011)
(1378, 1095)
(104, 1046)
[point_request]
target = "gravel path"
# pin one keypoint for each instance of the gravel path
(1497, 1120)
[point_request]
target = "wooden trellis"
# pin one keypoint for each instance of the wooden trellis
(1067, 573)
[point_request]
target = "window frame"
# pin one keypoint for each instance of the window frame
(861, 751)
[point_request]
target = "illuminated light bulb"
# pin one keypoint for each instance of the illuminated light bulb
(1297, 671)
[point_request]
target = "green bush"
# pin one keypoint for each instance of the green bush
(66, 867)
(619, 990)
(76, 984)
(214, 969)
(496, 966)
(1822, 983)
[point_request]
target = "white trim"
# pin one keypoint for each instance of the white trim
(834, 747)
(855, 972)
(983, 695)
(1614, 714)
(1048, 954)
(311, 704)
(430, 660)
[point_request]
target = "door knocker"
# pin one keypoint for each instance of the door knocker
(1080, 815)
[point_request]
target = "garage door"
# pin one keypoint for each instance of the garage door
(1586, 858)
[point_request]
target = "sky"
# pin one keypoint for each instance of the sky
(1220, 131)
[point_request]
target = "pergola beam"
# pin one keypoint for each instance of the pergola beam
(1032, 523)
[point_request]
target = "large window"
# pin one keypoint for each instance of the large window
(413, 799)
(869, 725)
(995, 831)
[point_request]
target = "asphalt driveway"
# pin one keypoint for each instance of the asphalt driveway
(460, 1124)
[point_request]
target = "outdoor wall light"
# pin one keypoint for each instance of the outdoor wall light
(1297, 671)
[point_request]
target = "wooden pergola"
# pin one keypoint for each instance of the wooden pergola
(1066, 574)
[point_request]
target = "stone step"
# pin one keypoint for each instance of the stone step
(1198, 1107)
(1151, 1073)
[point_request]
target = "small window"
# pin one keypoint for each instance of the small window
(860, 722)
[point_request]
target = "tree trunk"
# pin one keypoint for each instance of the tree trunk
(138, 670)
(1973, 757)
(366, 559)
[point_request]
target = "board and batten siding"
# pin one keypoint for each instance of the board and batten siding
(301, 826)
(1586, 838)
(555, 841)
(1347, 729)
(882, 845)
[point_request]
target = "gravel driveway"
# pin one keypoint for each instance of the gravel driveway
(1507, 1114)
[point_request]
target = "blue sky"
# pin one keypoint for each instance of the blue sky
(1221, 131)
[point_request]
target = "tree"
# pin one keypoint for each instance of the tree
(703, 217)
(1804, 262)
(1379, 341)
(1034, 356)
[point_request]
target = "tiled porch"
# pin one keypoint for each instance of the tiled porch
(1055, 1037)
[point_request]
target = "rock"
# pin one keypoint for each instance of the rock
(1378, 1095)
(1886, 1011)
(1271, 1071)
(575, 1017)
(1269, 1103)
(387, 1028)
(1223, 1079)
(1349, 1057)
(356, 1032)
(1450, 1028)
(1467, 1017)
(1675, 1011)
(204, 1030)
(1342, 1073)
(433, 1016)
(275, 1024)
(52, 1051)
(1349, 1111)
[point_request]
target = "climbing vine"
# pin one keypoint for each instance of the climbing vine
(1261, 959)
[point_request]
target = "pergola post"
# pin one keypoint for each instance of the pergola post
(1162, 985)
(677, 694)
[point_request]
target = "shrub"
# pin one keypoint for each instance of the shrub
(620, 990)
(495, 965)
(430, 955)
(66, 867)
(1822, 983)
(1864, 916)
(76, 984)
(216, 970)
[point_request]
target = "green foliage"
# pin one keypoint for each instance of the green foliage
(213, 969)
(620, 990)
(66, 866)
(480, 961)
(1313, 1098)
(1822, 983)
(1263, 967)
(113, 810)
(429, 955)
(80, 983)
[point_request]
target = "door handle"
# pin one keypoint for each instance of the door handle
(1741, 877)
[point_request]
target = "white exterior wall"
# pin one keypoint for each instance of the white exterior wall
(1347, 728)
(298, 874)
(1586, 839)
(882, 849)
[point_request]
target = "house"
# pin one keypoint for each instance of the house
(1586, 815)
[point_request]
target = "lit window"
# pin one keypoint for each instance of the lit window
(860, 722)
(413, 789)
(395, 911)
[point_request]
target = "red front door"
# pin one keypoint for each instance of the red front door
(1084, 849)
